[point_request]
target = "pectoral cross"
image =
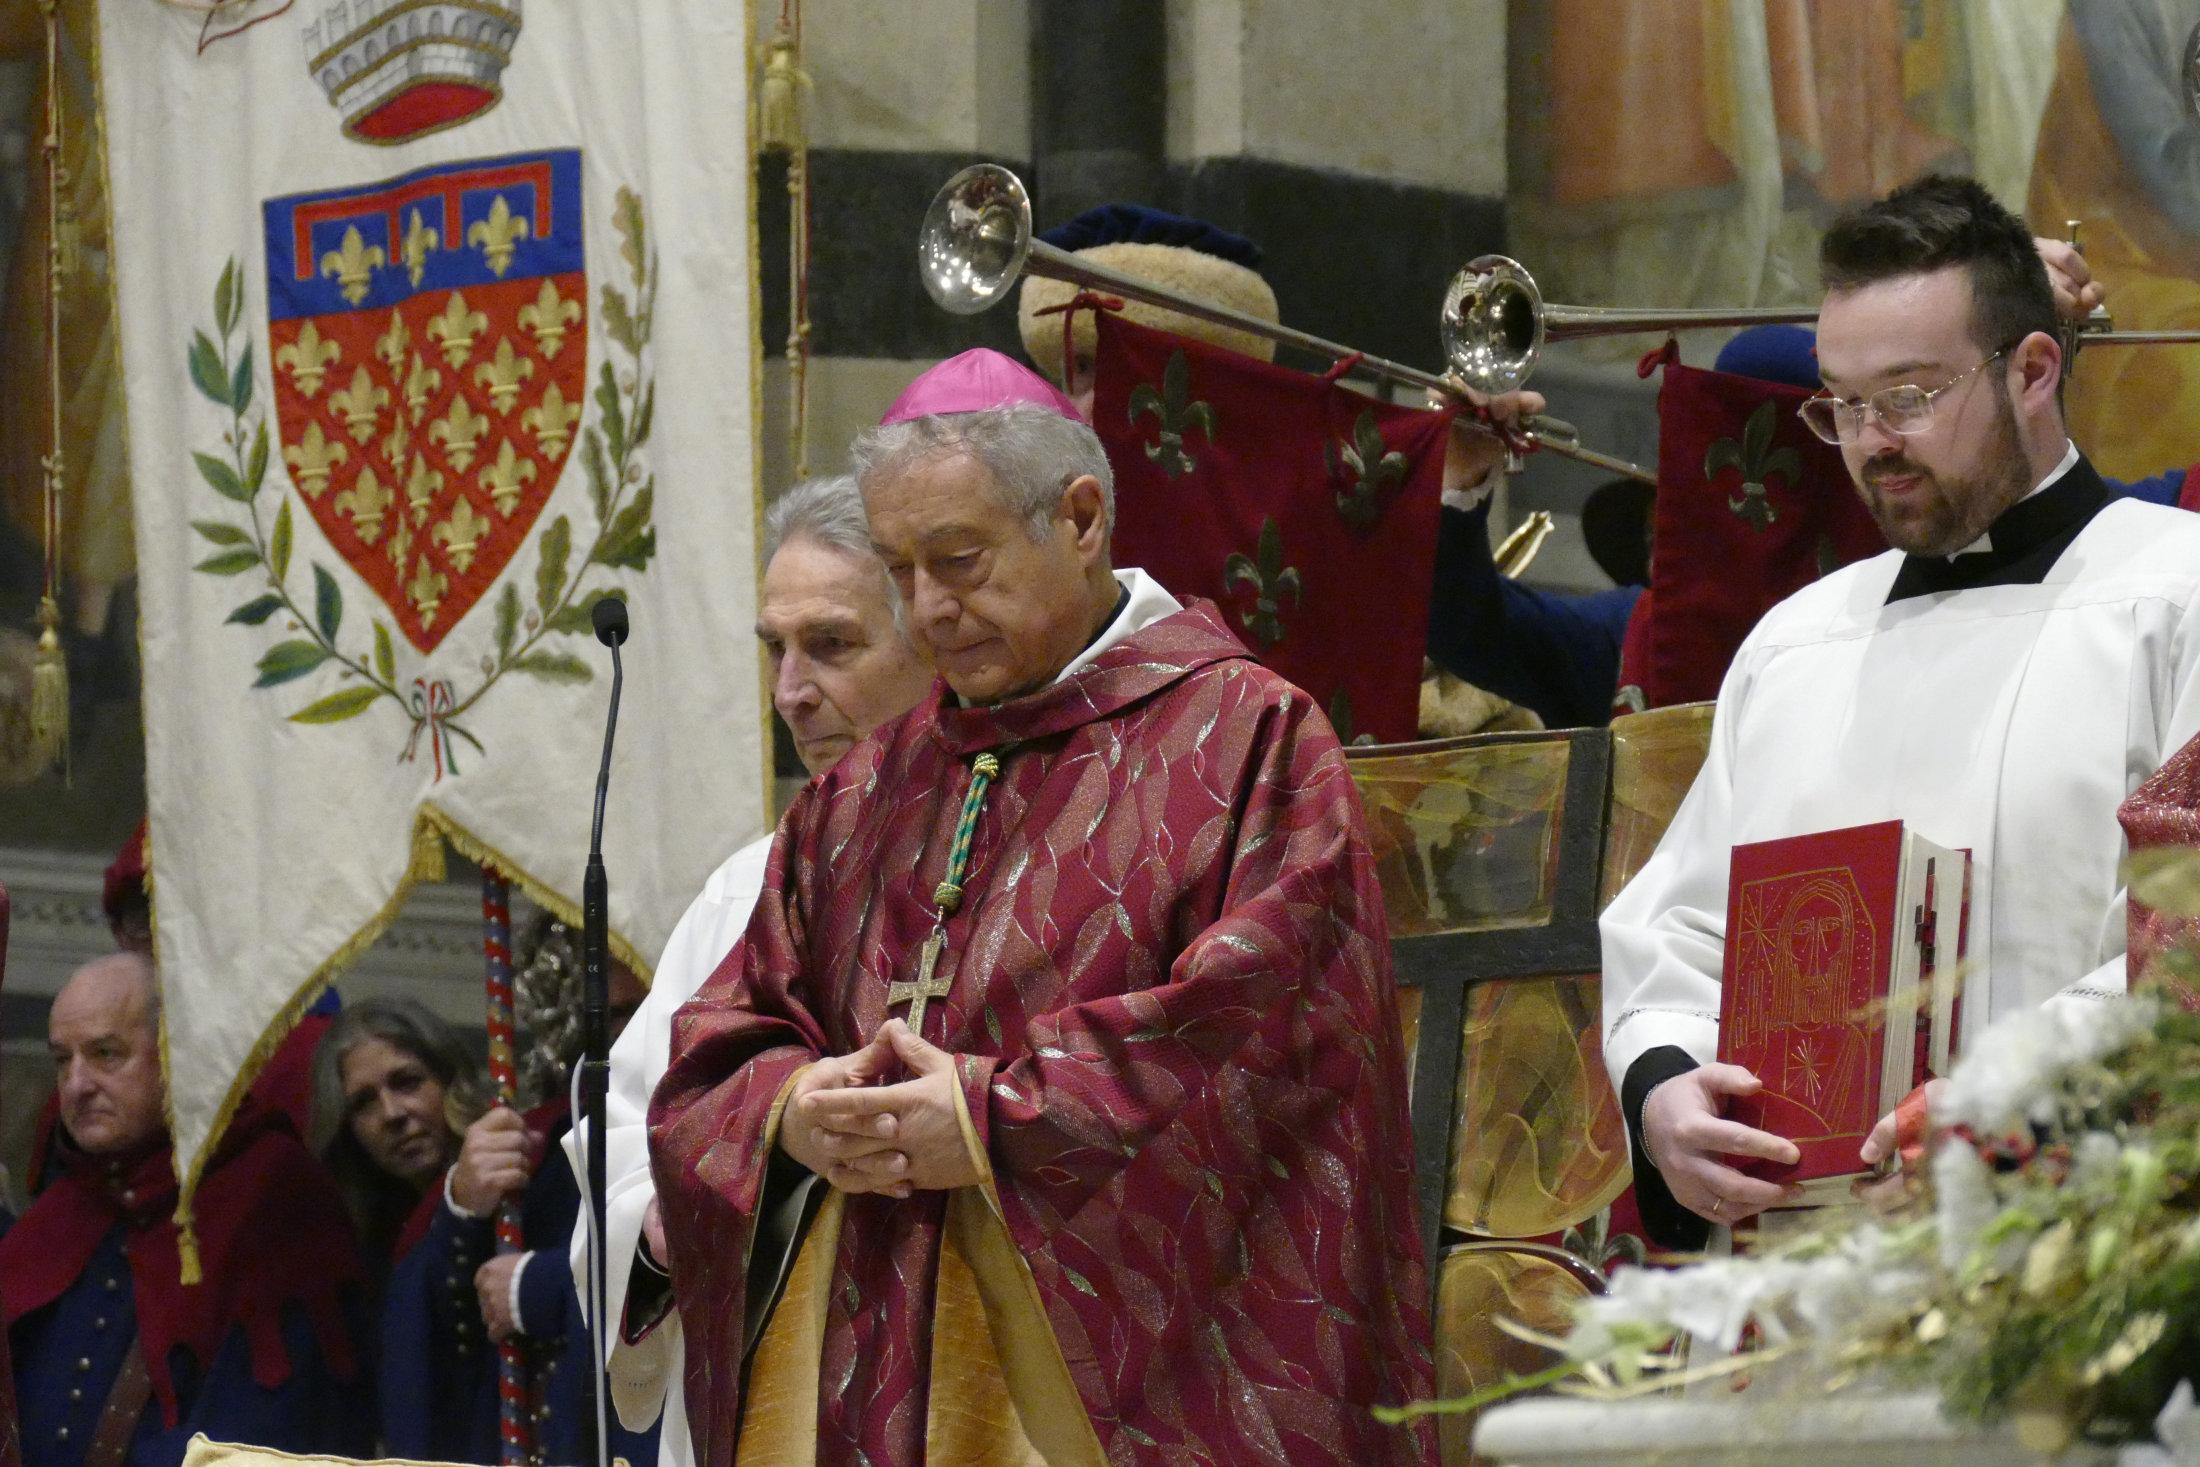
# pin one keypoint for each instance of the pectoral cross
(927, 987)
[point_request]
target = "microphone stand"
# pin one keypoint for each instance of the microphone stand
(610, 619)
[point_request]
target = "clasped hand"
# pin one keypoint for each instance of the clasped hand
(861, 1134)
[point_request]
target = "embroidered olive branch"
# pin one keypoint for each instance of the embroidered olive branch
(223, 375)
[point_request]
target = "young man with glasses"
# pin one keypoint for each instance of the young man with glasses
(2024, 656)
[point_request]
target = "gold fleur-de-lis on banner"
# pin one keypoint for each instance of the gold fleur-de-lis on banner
(392, 344)
(420, 240)
(360, 404)
(308, 359)
(503, 375)
(461, 532)
(421, 383)
(421, 487)
(353, 264)
(503, 478)
(552, 420)
(458, 431)
(458, 328)
(426, 590)
(400, 546)
(367, 502)
(549, 318)
(497, 234)
(398, 442)
(311, 459)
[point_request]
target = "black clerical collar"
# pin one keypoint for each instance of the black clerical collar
(2022, 545)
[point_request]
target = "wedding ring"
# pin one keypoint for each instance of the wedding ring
(1718, 1205)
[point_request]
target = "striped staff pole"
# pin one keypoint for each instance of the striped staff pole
(515, 1424)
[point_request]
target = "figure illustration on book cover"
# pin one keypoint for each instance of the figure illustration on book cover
(1806, 963)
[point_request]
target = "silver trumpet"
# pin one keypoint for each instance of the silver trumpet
(977, 242)
(1494, 323)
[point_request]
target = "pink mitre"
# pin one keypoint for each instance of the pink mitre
(978, 380)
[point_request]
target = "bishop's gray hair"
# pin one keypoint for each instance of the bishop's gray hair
(1032, 453)
(830, 511)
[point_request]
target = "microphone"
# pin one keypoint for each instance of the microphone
(609, 616)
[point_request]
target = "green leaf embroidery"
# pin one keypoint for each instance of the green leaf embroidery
(206, 369)
(626, 217)
(220, 533)
(1079, 1282)
(257, 610)
(226, 303)
(577, 619)
(278, 544)
(614, 420)
(557, 667)
(255, 468)
(222, 477)
(240, 385)
(507, 620)
(618, 322)
(630, 542)
(599, 474)
(644, 416)
(287, 660)
(557, 547)
(338, 706)
(385, 657)
(230, 562)
(328, 603)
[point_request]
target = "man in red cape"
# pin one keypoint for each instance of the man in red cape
(1131, 1179)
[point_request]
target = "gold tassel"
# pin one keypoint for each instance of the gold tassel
(779, 94)
(49, 691)
(189, 1271)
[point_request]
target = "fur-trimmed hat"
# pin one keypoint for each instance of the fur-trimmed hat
(1180, 255)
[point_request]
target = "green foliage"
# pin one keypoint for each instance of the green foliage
(342, 704)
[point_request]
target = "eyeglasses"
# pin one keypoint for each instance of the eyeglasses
(1901, 410)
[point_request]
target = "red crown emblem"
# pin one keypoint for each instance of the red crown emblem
(397, 69)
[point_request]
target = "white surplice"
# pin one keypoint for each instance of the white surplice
(2009, 719)
(645, 1375)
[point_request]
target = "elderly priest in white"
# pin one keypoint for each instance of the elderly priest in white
(837, 640)
(2000, 680)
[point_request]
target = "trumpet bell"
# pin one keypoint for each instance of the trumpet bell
(975, 239)
(1492, 324)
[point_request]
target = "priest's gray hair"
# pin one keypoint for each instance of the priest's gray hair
(1032, 453)
(829, 510)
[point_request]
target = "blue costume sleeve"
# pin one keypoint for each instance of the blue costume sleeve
(1554, 653)
(437, 1393)
(312, 1412)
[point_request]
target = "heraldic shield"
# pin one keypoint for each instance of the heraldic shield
(428, 338)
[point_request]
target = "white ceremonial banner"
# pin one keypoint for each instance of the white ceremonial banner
(436, 327)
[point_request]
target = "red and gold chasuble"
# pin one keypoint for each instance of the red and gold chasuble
(1171, 990)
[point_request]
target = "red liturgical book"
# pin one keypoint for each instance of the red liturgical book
(1831, 939)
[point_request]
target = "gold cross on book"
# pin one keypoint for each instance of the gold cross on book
(926, 988)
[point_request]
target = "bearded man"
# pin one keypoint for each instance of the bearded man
(1052, 1108)
(2025, 655)
(837, 642)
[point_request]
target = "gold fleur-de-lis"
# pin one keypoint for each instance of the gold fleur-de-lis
(310, 460)
(421, 383)
(392, 344)
(503, 375)
(420, 240)
(367, 501)
(458, 328)
(504, 477)
(497, 234)
(549, 318)
(421, 487)
(552, 420)
(400, 546)
(308, 359)
(426, 590)
(354, 264)
(461, 532)
(398, 441)
(459, 430)
(360, 404)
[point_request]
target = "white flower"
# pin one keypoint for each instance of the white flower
(2007, 1077)
(1963, 1199)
